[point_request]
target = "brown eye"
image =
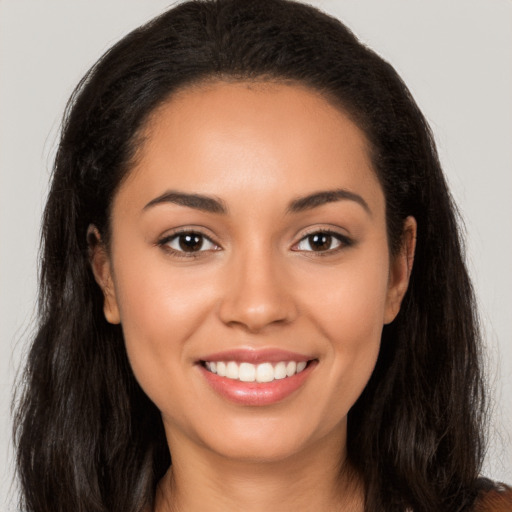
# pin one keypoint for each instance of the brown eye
(322, 241)
(189, 242)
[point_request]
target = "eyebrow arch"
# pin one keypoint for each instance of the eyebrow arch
(196, 201)
(327, 196)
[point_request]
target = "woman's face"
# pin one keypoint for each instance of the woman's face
(249, 268)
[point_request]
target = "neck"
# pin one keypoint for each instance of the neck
(317, 479)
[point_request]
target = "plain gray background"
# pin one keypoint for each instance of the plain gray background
(456, 57)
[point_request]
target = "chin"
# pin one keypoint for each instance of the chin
(259, 449)
(268, 439)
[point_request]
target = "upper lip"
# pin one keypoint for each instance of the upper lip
(256, 356)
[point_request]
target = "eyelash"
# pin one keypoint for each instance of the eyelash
(343, 240)
(165, 241)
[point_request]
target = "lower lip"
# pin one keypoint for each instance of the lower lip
(257, 393)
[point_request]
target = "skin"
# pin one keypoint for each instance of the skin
(258, 284)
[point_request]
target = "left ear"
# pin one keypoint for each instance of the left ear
(400, 270)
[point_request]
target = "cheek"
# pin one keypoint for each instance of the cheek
(350, 301)
(348, 307)
(160, 309)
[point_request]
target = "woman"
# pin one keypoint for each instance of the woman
(252, 268)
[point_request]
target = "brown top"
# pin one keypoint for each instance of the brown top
(496, 499)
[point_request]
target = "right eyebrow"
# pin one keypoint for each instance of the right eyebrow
(196, 201)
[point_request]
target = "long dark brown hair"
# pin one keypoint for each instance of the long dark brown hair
(88, 438)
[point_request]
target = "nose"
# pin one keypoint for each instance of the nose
(257, 294)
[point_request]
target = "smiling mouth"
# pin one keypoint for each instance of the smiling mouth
(261, 373)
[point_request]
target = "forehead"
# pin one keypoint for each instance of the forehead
(268, 138)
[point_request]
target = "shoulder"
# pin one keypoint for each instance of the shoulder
(493, 497)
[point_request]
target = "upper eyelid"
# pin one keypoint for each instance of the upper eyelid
(329, 230)
(169, 235)
(172, 236)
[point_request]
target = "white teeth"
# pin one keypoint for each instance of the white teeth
(248, 372)
(221, 369)
(280, 371)
(291, 368)
(232, 370)
(264, 372)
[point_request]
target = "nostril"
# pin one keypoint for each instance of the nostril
(254, 318)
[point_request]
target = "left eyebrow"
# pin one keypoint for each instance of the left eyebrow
(326, 196)
(195, 201)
